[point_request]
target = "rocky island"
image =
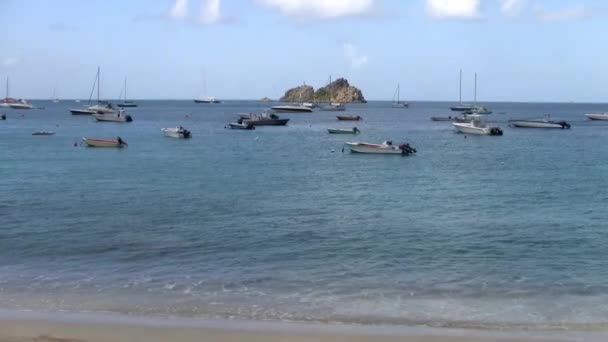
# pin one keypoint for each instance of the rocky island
(337, 91)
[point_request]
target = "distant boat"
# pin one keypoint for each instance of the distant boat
(55, 98)
(541, 123)
(9, 102)
(101, 106)
(332, 106)
(442, 118)
(262, 120)
(597, 116)
(246, 125)
(43, 133)
(94, 142)
(386, 147)
(309, 105)
(349, 118)
(126, 103)
(295, 108)
(205, 98)
(117, 116)
(177, 132)
(398, 103)
(476, 127)
(3, 117)
(461, 106)
(353, 130)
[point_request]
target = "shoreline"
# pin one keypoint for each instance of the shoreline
(100, 327)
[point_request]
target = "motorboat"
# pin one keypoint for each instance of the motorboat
(177, 132)
(94, 142)
(386, 147)
(9, 102)
(296, 108)
(334, 107)
(541, 123)
(349, 118)
(263, 119)
(20, 104)
(597, 116)
(309, 105)
(117, 116)
(476, 127)
(43, 133)
(478, 110)
(353, 130)
(208, 99)
(243, 125)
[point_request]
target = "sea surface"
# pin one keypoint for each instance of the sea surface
(280, 224)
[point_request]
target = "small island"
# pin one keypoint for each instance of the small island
(337, 91)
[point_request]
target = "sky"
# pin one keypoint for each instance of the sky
(522, 50)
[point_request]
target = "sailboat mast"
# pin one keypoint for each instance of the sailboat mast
(125, 88)
(475, 92)
(398, 90)
(460, 88)
(98, 82)
(329, 88)
(7, 92)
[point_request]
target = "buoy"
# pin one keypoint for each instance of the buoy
(332, 150)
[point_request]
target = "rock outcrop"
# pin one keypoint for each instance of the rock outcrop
(266, 99)
(337, 91)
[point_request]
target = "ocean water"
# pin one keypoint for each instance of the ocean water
(279, 224)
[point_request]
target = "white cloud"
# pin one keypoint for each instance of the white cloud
(568, 13)
(511, 7)
(8, 62)
(356, 59)
(324, 9)
(456, 9)
(179, 9)
(210, 12)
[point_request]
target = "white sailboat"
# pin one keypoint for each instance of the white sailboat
(9, 102)
(332, 106)
(99, 108)
(205, 98)
(55, 98)
(398, 103)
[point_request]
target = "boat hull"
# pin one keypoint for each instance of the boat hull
(349, 118)
(20, 106)
(292, 109)
(243, 126)
(82, 112)
(176, 133)
(44, 133)
(462, 108)
(127, 105)
(538, 124)
(113, 117)
(470, 128)
(597, 116)
(103, 143)
(342, 131)
(269, 122)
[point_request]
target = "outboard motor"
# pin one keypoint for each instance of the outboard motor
(564, 124)
(128, 118)
(495, 131)
(3, 117)
(186, 134)
(406, 149)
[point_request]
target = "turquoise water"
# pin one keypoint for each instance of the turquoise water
(279, 224)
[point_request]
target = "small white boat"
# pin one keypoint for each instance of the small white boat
(177, 132)
(94, 142)
(399, 103)
(117, 116)
(292, 109)
(43, 133)
(334, 107)
(476, 127)
(20, 104)
(242, 125)
(207, 100)
(309, 104)
(597, 116)
(386, 147)
(541, 123)
(353, 130)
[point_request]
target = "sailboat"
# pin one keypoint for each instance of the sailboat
(461, 106)
(477, 109)
(125, 102)
(206, 99)
(99, 108)
(9, 102)
(332, 106)
(399, 104)
(55, 98)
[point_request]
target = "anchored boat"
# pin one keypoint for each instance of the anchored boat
(243, 125)
(541, 123)
(353, 130)
(262, 119)
(94, 142)
(177, 132)
(43, 133)
(349, 118)
(597, 116)
(292, 108)
(386, 147)
(118, 116)
(476, 127)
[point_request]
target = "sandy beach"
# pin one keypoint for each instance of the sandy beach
(75, 330)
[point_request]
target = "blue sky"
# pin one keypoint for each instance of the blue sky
(523, 50)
